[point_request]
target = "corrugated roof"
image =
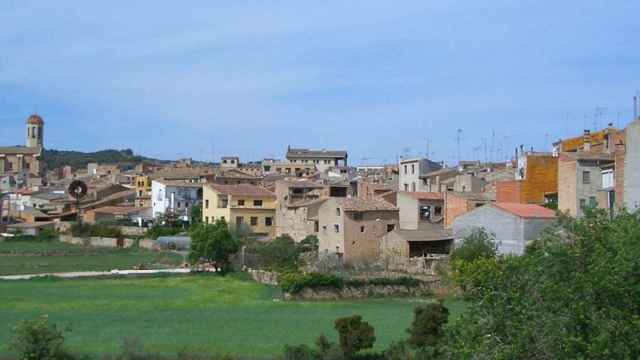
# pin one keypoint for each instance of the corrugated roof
(241, 190)
(527, 211)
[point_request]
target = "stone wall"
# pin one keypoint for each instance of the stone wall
(264, 277)
(97, 241)
(366, 291)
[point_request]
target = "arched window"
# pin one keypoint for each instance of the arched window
(28, 131)
(33, 132)
(40, 134)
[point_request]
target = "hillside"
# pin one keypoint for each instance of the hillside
(54, 159)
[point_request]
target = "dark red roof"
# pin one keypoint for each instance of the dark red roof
(527, 211)
(35, 120)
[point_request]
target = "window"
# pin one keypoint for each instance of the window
(239, 220)
(405, 170)
(268, 221)
(316, 226)
(413, 187)
(361, 229)
(222, 218)
(438, 211)
(336, 227)
(593, 203)
(338, 212)
(406, 187)
(254, 221)
(586, 177)
(240, 202)
(257, 203)
(413, 169)
(206, 219)
(583, 204)
(179, 204)
(391, 227)
(206, 204)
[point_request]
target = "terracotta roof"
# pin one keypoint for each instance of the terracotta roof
(178, 183)
(35, 120)
(527, 211)
(427, 195)
(241, 190)
(358, 204)
(306, 153)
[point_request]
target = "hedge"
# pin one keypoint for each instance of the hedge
(296, 282)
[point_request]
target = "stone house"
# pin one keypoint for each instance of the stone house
(410, 172)
(352, 228)
(294, 199)
(513, 225)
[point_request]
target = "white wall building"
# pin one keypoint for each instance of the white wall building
(174, 196)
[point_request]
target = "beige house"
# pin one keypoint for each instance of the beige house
(352, 228)
(240, 204)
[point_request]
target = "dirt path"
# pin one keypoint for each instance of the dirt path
(81, 274)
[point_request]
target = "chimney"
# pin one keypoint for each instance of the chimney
(587, 141)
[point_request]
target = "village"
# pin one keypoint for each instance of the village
(412, 211)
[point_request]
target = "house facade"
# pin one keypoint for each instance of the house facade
(322, 160)
(240, 205)
(410, 172)
(174, 197)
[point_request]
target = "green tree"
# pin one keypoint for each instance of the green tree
(281, 254)
(427, 327)
(213, 242)
(196, 214)
(478, 244)
(574, 294)
(38, 340)
(354, 335)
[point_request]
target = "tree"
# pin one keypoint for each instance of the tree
(354, 335)
(478, 244)
(282, 254)
(427, 327)
(196, 214)
(212, 242)
(310, 243)
(38, 340)
(574, 294)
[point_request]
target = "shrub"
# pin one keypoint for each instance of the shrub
(97, 230)
(476, 245)
(309, 244)
(157, 231)
(427, 327)
(38, 339)
(354, 335)
(282, 254)
(300, 352)
(44, 235)
(296, 282)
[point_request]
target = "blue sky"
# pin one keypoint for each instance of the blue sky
(214, 78)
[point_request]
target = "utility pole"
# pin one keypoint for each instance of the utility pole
(458, 140)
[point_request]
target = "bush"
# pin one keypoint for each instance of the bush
(97, 230)
(157, 231)
(300, 352)
(427, 327)
(296, 282)
(476, 245)
(354, 335)
(282, 254)
(45, 235)
(309, 244)
(38, 340)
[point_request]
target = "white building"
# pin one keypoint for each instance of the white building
(175, 196)
(410, 172)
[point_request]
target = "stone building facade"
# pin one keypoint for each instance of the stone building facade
(25, 160)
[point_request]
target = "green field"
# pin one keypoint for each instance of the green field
(194, 313)
(37, 257)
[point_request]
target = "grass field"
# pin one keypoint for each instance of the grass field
(194, 313)
(25, 257)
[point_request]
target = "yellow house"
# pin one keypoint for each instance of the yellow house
(240, 204)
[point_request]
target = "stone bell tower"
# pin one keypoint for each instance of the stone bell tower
(35, 132)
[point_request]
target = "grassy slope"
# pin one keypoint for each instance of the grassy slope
(197, 313)
(80, 259)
